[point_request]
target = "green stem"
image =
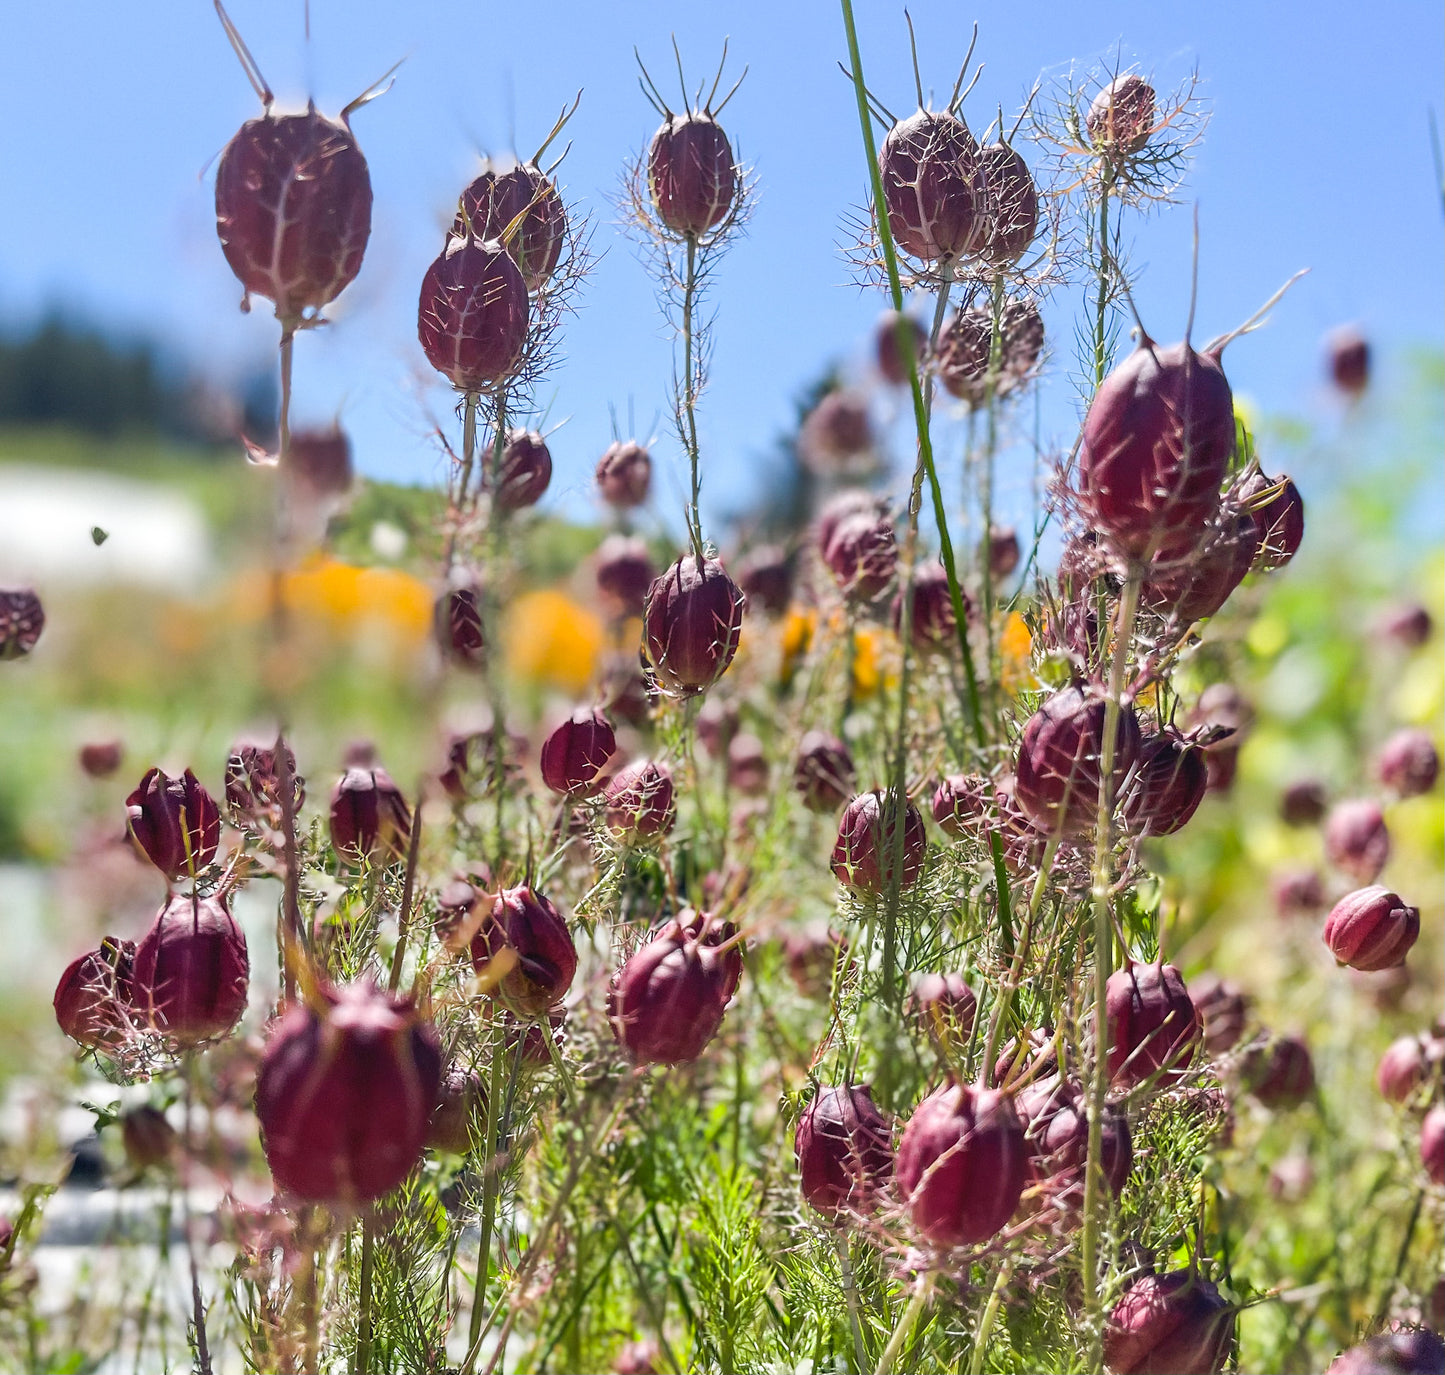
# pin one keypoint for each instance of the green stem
(489, 1186)
(850, 1293)
(198, 1307)
(986, 1320)
(1101, 306)
(909, 1320)
(1104, 954)
(283, 427)
(689, 398)
(408, 886)
(363, 1325)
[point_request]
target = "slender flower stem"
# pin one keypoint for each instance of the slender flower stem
(850, 1293)
(899, 1338)
(1101, 305)
(292, 940)
(363, 1323)
(1104, 951)
(283, 427)
(986, 1319)
(408, 887)
(489, 1184)
(689, 398)
(198, 1307)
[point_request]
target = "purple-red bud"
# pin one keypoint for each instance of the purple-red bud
(1371, 928)
(692, 624)
(639, 802)
(624, 474)
(863, 854)
(473, 314)
(691, 176)
(1409, 763)
(525, 924)
(1357, 839)
(369, 816)
(1121, 116)
(92, 998)
(574, 755)
(192, 970)
(823, 771)
(844, 1150)
(1174, 1324)
(22, 618)
(175, 822)
(1154, 1027)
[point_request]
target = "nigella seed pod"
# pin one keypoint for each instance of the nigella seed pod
(293, 209)
(1281, 517)
(624, 573)
(963, 804)
(520, 208)
(1349, 361)
(890, 356)
(459, 626)
(1003, 550)
(1400, 1351)
(1121, 116)
(823, 772)
(691, 626)
(1404, 1068)
(1432, 1143)
(837, 436)
(1278, 1072)
(852, 501)
(962, 1164)
(1154, 1027)
(460, 1114)
(253, 779)
(524, 473)
(478, 758)
(1409, 763)
(148, 1139)
(862, 555)
(1193, 589)
(1010, 203)
(639, 803)
(765, 575)
(369, 816)
(965, 351)
(1223, 1008)
(22, 618)
(92, 998)
(863, 855)
(175, 822)
(691, 176)
(1156, 444)
(934, 627)
(624, 474)
(1060, 761)
(844, 1150)
(473, 314)
(931, 186)
(345, 1094)
(667, 1001)
(1357, 839)
(101, 758)
(523, 922)
(1056, 1138)
(1303, 803)
(945, 1007)
(192, 970)
(1371, 928)
(1174, 1324)
(1170, 784)
(575, 754)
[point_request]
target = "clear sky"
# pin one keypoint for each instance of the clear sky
(1317, 156)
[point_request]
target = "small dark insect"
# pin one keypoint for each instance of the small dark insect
(98, 536)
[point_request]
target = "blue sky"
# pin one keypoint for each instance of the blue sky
(1317, 156)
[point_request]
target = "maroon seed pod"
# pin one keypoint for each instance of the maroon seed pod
(147, 1137)
(1003, 550)
(711, 933)
(460, 1114)
(1408, 625)
(844, 1149)
(864, 851)
(318, 463)
(175, 822)
(639, 803)
(1121, 116)
(1281, 518)
(1174, 1324)
(369, 816)
(765, 575)
(624, 474)
(962, 1164)
(852, 501)
(1357, 840)
(1404, 1069)
(1056, 1138)
(525, 923)
(1432, 1143)
(92, 998)
(1409, 763)
(862, 555)
(691, 626)
(837, 436)
(22, 618)
(1225, 716)
(624, 573)
(1400, 1351)
(963, 804)
(667, 1001)
(459, 915)
(890, 357)
(934, 627)
(535, 1037)
(101, 758)
(459, 626)
(962, 359)
(1155, 447)
(945, 1007)
(1371, 929)
(293, 209)
(1349, 361)
(520, 208)
(575, 754)
(691, 176)
(253, 779)
(473, 314)
(192, 970)
(1298, 892)
(1192, 590)
(1278, 1072)
(345, 1094)
(1010, 204)
(1303, 803)
(1060, 761)
(931, 186)
(474, 758)
(747, 765)
(1223, 1009)
(1154, 1027)
(524, 473)
(823, 771)
(1170, 784)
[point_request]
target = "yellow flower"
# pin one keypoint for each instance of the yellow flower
(344, 599)
(1015, 647)
(799, 626)
(551, 640)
